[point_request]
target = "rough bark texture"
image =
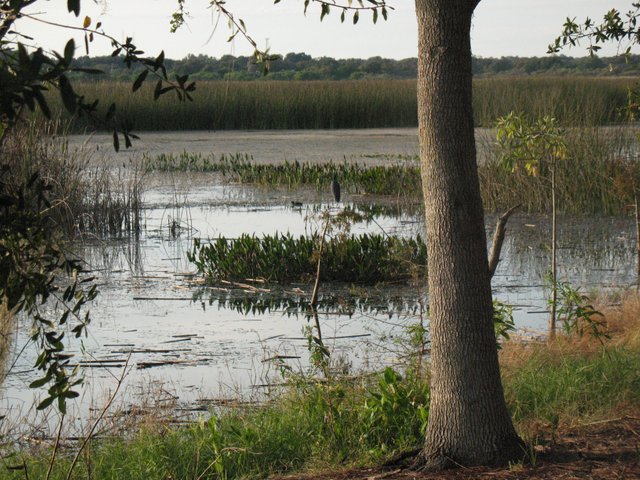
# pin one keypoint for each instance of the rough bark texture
(468, 420)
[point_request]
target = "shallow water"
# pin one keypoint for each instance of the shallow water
(192, 342)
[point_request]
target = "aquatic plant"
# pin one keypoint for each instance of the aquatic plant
(587, 179)
(398, 179)
(366, 258)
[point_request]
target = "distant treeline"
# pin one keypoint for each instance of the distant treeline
(300, 66)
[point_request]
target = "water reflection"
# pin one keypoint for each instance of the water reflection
(343, 300)
(200, 338)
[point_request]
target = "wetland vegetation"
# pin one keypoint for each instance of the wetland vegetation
(363, 259)
(315, 417)
(269, 105)
(344, 421)
(399, 179)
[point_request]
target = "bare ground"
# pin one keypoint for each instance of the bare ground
(605, 450)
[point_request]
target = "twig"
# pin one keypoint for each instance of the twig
(314, 295)
(637, 211)
(55, 448)
(100, 417)
(498, 238)
(600, 422)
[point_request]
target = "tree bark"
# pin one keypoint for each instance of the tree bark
(468, 420)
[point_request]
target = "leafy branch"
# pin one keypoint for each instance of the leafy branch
(614, 27)
(263, 57)
(26, 76)
(32, 261)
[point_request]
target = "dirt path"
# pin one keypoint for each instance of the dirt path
(604, 450)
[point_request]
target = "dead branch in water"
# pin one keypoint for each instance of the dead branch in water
(498, 238)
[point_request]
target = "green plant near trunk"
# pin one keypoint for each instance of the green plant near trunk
(366, 258)
(503, 322)
(536, 147)
(577, 314)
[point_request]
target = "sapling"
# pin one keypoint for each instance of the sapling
(536, 147)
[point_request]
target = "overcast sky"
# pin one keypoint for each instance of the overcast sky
(500, 27)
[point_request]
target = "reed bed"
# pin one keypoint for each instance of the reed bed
(363, 259)
(595, 178)
(229, 105)
(84, 199)
(397, 179)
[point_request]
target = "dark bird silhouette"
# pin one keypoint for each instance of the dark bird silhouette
(335, 188)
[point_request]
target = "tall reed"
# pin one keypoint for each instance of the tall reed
(588, 180)
(84, 198)
(268, 104)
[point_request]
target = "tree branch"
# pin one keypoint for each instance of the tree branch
(498, 238)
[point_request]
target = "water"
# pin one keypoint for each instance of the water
(186, 342)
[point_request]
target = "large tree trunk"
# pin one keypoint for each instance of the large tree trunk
(468, 420)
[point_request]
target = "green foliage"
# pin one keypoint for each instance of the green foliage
(33, 267)
(366, 258)
(503, 322)
(396, 179)
(615, 27)
(311, 425)
(26, 75)
(577, 314)
(393, 399)
(532, 145)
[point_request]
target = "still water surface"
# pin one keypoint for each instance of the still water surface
(193, 342)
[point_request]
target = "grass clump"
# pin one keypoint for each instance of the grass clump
(82, 198)
(556, 385)
(311, 425)
(366, 258)
(397, 179)
(578, 376)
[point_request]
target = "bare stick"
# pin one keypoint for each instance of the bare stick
(100, 417)
(635, 197)
(314, 295)
(55, 448)
(554, 247)
(498, 239)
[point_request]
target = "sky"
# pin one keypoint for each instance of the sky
(500, 27)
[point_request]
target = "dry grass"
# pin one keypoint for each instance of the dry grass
(84, 199)
(573, 379)
(622, 316)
